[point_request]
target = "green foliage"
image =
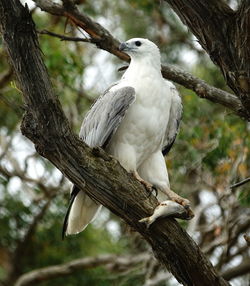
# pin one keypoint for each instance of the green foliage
(10, 99)
(210, 139)
(15, 217)
(244, 196)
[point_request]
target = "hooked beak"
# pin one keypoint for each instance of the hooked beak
(123, 47)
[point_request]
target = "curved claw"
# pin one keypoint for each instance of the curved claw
(153, 189)
(166, 209)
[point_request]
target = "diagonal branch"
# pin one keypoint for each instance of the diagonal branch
(65, 38)
(204, 90)
(241, 183)
(104, 40)
(97, 33)
(101, 177)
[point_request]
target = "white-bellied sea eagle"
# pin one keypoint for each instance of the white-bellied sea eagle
(136, 121)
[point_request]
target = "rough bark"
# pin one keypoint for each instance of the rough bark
(225, 36)
(104, 40)
(93, 170)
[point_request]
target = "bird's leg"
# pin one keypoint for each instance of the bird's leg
(177, 207)
(180, 200)
(147, 185)
(176, 198)
(168, 209)
(151, 188)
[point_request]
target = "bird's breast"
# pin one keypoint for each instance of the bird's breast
(143, 128)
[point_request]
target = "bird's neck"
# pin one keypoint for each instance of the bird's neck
(143, 68)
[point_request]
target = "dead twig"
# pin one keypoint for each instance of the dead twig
(241, 183)
(67, 38)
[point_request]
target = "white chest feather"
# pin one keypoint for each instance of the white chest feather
(142, 130)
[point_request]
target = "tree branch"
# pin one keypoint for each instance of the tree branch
(111, 262)
(224, 35)
(104, 40)
(241, 269)
(101, 176)
(204, 90)
(65, 38)
(236, 185)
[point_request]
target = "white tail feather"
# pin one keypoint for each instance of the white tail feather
(83, 211)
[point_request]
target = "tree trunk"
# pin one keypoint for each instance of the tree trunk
(93, 170)
(225, 36)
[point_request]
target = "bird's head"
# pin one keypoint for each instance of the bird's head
(139, 47)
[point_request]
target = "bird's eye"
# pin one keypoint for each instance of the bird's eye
(138, 43)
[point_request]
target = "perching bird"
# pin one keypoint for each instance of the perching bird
(136, 120)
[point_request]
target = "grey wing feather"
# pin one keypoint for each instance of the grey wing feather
(174, 121)
(105, 116)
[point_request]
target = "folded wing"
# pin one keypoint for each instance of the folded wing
(105, 116)
(97, 129)
(174, 121)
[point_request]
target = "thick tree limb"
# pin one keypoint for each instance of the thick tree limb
(93, 170)
(224, 34)
(105, 41)
(111, 262)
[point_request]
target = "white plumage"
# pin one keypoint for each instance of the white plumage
(136, 121)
